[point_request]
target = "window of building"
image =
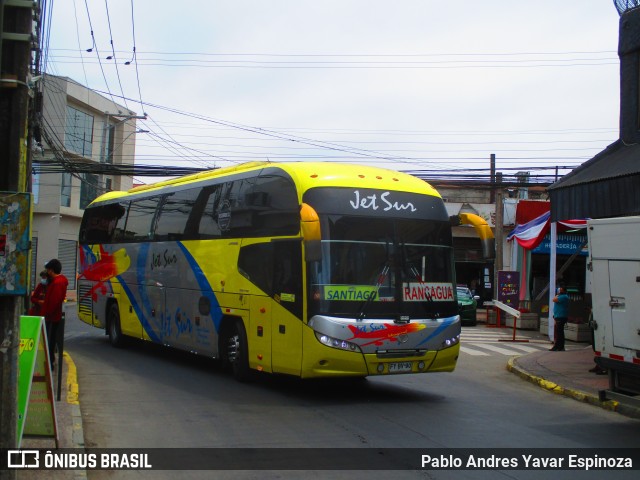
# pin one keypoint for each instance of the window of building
(110, 144)
(67, 250)
(88, 189)
(65, 190)
(78, 134)
(35, 187)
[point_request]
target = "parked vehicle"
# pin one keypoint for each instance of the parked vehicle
(614, 260)
(467, 305)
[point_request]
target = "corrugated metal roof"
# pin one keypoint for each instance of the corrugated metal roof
(617, 160)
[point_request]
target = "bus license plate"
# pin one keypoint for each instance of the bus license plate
(400, 367)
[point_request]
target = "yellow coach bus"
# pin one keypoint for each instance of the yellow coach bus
(306, 269)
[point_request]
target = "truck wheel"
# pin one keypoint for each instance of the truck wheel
(115, 333)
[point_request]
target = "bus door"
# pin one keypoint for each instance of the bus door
(287, 288)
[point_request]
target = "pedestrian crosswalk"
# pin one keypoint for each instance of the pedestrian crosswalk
(481, 342)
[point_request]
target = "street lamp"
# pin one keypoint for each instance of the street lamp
(623, 5)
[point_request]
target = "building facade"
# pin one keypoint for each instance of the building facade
(77, 127)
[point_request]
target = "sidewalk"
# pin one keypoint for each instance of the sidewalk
(69, 422)
(567, 373)
(564, 373)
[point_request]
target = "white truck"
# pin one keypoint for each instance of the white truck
(614, 260)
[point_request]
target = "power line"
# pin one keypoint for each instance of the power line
(134, 59)
(477, 176)
(115, 60)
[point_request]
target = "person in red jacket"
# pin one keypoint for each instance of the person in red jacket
(53, 299)
(37, 297)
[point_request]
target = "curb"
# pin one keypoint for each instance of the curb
(77, 434)
(579, 395)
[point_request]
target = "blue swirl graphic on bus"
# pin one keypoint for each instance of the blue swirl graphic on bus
(205, 287)
(447, 322)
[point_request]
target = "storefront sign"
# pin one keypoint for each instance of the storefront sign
(509, 288)
(565, 245)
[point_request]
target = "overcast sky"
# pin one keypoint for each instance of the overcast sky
(407, 84)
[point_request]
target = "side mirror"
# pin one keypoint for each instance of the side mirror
(311, 234)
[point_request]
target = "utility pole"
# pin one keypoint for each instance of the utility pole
(499, 233)
(16, 42)
(492, 180)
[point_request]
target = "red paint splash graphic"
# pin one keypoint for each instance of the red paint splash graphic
(105, 268)
(378, 334)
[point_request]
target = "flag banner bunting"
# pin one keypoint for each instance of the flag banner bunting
(529, 235)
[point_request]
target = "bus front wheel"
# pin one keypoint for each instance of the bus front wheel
(115, 333)
(237, 353)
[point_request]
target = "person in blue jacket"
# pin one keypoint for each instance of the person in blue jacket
(560, 317)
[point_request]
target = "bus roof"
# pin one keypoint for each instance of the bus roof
(307, 175)
(311, 174)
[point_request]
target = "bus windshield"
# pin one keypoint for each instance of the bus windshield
(383, 268)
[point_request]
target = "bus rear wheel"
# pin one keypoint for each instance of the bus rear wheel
(237, 353)
(113, 326)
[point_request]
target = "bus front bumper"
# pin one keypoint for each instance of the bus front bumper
(353, 364)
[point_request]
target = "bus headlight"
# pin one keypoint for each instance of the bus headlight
(337, 343)
(450, 342)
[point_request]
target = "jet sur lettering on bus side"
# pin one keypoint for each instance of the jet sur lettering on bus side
(164, 260)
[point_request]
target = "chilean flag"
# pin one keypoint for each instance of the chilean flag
(572, 224)
(529, 235)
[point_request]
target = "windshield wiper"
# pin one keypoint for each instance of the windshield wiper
(381, 278)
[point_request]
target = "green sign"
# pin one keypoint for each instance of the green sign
(355, 293)
(36, 407)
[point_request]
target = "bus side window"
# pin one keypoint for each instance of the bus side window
(139, 222)
(100, 224)
(173, 216)
(235, 217)
(276, 210)
(119, 227)
(208, 221)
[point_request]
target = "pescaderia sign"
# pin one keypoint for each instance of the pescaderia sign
(565, 245)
